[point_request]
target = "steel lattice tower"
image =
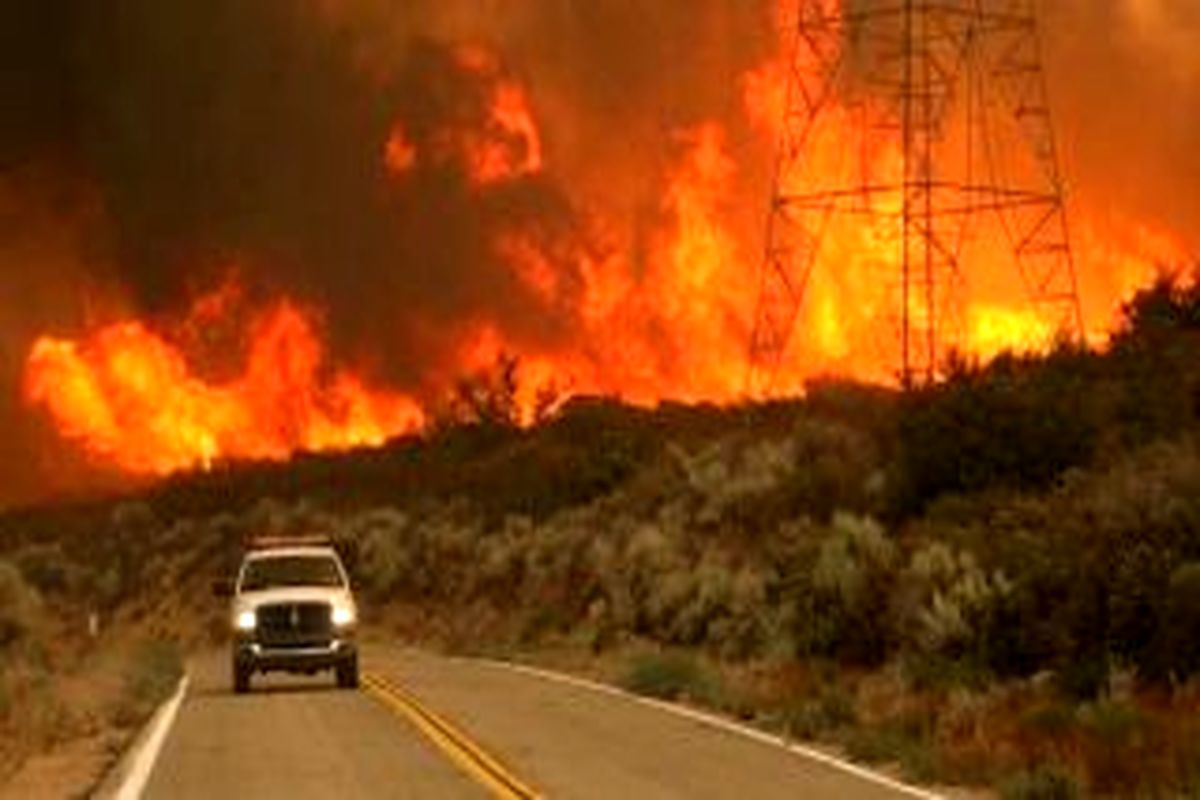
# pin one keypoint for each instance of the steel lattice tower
(954, 90)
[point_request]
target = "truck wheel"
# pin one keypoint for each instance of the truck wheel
(241, 679)
(347, 673)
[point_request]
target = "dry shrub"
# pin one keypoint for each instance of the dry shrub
(969, 735)
(383, 557)
(947, 602)
(1040, 783)
(46, 569)
(851, 581)
(1123, 750)
(20, 606)
(672, 675)
(733, 471)
(154, 670)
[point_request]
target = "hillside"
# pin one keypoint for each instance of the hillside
(993, 580)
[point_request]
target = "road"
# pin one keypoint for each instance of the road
(298, 737)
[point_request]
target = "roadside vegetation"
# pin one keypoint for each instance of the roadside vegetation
(97, 605)
(993, 581)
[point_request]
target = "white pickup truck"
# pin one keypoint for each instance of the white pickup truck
(291, 610)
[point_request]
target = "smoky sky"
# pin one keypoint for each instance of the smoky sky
(253, 132)
(247, 132)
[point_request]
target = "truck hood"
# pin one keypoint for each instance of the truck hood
(250, 601)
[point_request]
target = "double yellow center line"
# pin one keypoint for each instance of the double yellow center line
(458, 747)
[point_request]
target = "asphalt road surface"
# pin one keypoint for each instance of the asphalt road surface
(298, 737)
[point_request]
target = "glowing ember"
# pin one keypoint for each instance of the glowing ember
(399, 154)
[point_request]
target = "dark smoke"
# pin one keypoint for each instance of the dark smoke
(203, 134)
(248, 131)
(229, 130)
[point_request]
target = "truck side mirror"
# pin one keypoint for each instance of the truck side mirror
(222, 587)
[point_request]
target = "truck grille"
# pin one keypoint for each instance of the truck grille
(295, 625)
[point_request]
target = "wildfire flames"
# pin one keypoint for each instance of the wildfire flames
(138, 394)
(502, 146)
(132, 396)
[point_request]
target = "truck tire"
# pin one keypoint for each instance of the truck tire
(347, 674)
(241, 679)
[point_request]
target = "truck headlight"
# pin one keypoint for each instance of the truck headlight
(246, 621)
(343, 616)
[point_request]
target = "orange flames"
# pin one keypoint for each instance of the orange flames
(506, 144)
(675, 326)
(132, 397)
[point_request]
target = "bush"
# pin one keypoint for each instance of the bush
(1121, 749)
(838, 468)
(1111, 722)
(831, 710)
(733, 473)
(890, 743)
(1086, 569)
(1181, 626)
(1040, 783)
(1018, 422)
(134, 520)
(46, 569)
(1138, 522)
(382, 557)
(948, 606)
(154, 670)
(851, 582)
(1052, 720)
(1155, 357)
(671, 675)
(19, 606)
(487, 399)
(817, 468)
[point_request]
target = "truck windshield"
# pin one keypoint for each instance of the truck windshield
(276, 571)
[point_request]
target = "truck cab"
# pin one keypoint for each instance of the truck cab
(291, 610)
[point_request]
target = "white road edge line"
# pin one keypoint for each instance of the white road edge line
(143, 762)
(720, 723)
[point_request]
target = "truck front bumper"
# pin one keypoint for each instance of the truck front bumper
(251, 656)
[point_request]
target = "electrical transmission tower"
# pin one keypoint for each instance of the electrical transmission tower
(928, 121)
